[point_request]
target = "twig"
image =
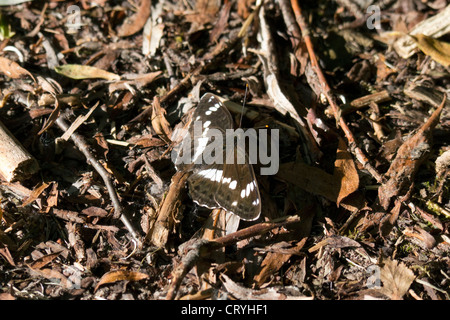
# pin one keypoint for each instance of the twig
(167, 213)
(193, 250)
(326, 90)
(81, 144)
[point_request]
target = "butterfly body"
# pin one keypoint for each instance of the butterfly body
(225, 183)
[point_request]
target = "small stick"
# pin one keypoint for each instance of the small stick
(15, 161)
(326, 90)
(81, 144)
(194, 250)
(365, 101)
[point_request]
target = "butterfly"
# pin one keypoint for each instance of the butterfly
(229, 184)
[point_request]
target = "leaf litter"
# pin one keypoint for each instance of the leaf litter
(359, 208)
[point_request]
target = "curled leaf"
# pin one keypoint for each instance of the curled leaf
(79, 72)
(436, 49)
(159, 122)
(13, 69)
(119, 275)
(345, 172)
(137, 21)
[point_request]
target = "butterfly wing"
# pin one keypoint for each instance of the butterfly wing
(229, 186)
(211, 113)
(204, 183)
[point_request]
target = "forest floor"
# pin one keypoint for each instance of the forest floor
(93, 91)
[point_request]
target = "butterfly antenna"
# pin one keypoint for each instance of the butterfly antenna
(243, 104)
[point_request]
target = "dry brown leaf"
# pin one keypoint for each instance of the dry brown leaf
(13, 69)
(52, 118)
(243, 293)
(119, 275)
(410, 156)
(78, 122)
(396, 278)
(35, 193)
(335, 242)
(95, 212)
(138, 81)
(43, 261)
(336, 187)
(273, 261)
(345, 172)
(4, 252)
(311, 179)
(205, 12)
(159, 122)
(222, 21)
(52, 199)
(146, 141)
(438, 50)
(6, 296)
(137, 21)
(169, 211)
(54, 276)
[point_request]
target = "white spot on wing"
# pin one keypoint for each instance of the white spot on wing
(243, 193)
(206, 124)
(233, 184)
(234, 203)
(202, 142)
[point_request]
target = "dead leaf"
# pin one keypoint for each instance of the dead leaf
(221, 24)
(273, 261)
(4, 252)
(35, 193)
(345, 172)
(43, 261)
(396, 278)
(13, 69)
(343, 182)
(335, 242)
(54, 276)
(78, 122)
(410, 156)
(169, 211)
(138, 81)
(311, 179)
(6, 296)
(383, 69)
(434, 26)
(119, 275)
(159, 122)
(137, 21)
(436, 49)
(52, 199)
(80, 72)
(95, 212)
(52, 118)
(146, 141)
(242, 293)
(152, 33)
(417, 232)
